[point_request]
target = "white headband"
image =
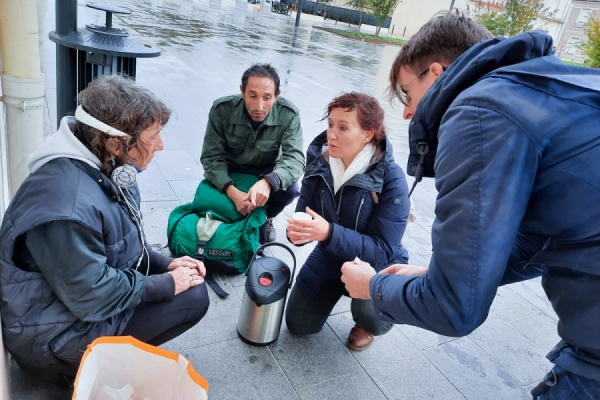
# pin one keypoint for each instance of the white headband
(87, 119)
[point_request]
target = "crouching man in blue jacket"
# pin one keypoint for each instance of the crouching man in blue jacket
(512, 137)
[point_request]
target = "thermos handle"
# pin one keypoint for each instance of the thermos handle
(280, 245)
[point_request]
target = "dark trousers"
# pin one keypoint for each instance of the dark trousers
(158, 322)
(307, 315)
(280, 199)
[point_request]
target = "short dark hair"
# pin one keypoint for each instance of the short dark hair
(443, 39)
(122, 104)
(264, 70)
(369, 113)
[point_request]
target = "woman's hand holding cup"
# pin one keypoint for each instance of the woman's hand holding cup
(305, 227)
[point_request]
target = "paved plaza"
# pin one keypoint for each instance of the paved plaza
(206, 47)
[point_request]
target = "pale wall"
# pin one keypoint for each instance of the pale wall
(412, 14)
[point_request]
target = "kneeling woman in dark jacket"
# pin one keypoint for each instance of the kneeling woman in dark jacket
(74, 261)
(358, 199)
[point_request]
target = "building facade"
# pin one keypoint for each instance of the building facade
(411, 15)
(572, 33)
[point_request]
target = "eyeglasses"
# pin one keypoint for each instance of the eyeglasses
(403, 96)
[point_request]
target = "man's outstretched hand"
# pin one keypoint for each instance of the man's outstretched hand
(357, 276)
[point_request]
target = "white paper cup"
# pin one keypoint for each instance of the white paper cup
(301, 216)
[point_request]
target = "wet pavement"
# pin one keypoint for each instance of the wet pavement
(206, 47)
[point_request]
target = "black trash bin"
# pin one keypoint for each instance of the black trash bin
(96, 50)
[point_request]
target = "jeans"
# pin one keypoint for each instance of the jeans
(560, 384)
(307, 315)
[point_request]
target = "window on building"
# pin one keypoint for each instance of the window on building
(582, 19)
(572, 44)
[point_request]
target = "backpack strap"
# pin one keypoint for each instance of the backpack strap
(210, 277)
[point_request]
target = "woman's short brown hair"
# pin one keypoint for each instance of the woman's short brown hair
(122, 104)
(443, 39)
(369, 113)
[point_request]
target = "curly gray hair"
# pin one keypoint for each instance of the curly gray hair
(122, 104)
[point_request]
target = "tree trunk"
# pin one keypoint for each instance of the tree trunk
(360, 20)
(377, 31)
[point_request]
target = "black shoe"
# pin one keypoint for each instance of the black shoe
(61, 384)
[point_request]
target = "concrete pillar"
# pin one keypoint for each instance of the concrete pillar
(24, 101)
(22, 85)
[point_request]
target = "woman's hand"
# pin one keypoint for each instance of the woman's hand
(301, 232)
(185, 278)
(405, 269)
(188, 262)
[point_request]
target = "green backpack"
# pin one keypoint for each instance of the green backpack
(231, 246)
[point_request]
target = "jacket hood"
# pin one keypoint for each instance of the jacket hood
(61, 144)
(480, 60)
(372, 179)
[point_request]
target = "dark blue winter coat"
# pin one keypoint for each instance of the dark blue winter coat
(518, 178)
(368, 215)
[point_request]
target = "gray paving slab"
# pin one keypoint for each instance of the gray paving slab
(533, 292)
(386, 364)
(156, 217)
(501, 341)
(473, 372)
(178, 165)
(156, 187)
(531, 326)
(236, 370)
(185, 190)
(170, 141)
(356, 386)
(422, 338)
(220, 322)
(509, 306)
(309, 360)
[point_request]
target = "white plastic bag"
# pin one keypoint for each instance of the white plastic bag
(154, 373)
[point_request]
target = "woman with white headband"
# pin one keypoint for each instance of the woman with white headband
(74, 261)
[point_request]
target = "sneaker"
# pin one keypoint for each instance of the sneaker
(270, 232)
(359, 339)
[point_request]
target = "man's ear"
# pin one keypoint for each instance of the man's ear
(242, 91)
(115, 146)
(436, 69)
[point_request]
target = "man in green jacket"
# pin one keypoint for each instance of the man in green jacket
(256, 132)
